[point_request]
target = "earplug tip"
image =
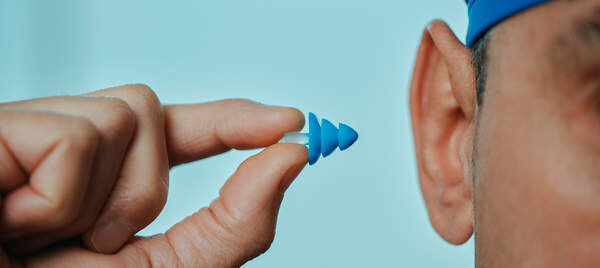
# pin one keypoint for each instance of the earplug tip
(347, 136)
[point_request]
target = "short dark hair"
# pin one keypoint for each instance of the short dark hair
(480, 62)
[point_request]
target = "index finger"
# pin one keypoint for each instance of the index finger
(197, 131)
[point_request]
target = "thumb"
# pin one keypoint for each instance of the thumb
(237, 226)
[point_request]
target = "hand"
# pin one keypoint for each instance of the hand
(80, 175)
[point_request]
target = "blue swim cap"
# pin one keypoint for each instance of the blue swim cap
(484, 14)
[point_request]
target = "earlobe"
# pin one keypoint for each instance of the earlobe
(442, 101)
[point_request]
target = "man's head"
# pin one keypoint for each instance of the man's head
(507, 136)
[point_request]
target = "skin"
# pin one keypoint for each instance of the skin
(80, 175)
(519, 171)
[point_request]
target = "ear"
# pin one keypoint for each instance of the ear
(442, 106)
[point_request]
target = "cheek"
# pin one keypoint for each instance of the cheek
(537, 186)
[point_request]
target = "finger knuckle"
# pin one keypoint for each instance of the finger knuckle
(151, 199)
(59, 212)
(119, 119)
(81, 136)
(240, 232)
(263, 243)
(156, 195)
(242, 240)
(222, 232)
(143, 99)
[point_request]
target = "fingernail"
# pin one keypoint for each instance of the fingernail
(275, 107)
(429, 26)
(110, 236)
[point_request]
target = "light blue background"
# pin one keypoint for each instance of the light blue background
(347, 61)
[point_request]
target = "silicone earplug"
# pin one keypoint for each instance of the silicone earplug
(322, 139)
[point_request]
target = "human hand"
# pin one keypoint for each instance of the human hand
(81, 175)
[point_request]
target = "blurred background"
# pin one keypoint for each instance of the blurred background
(348, 61)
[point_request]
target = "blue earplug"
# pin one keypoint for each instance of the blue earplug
(322, 139)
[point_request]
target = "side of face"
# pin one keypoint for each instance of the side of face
(536, 163)
(519, 170)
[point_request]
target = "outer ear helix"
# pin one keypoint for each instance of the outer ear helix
(439, 131)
